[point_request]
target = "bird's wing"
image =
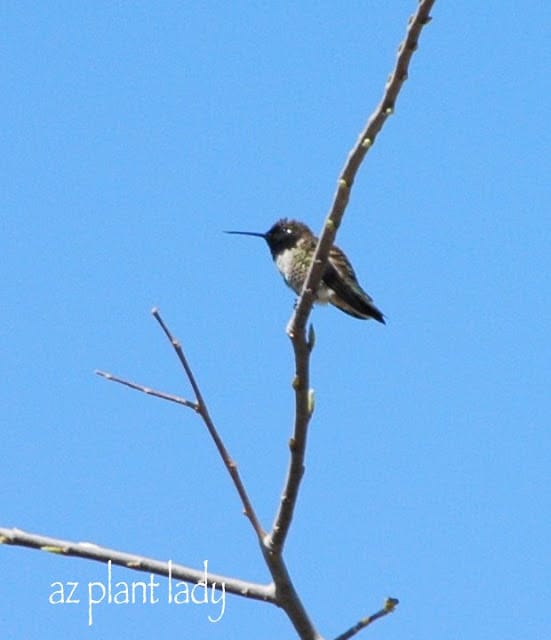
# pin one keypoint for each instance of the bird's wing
(351, 298)
(335, 277)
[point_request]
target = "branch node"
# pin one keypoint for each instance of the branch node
(133, 564)
(311, 342)
(53, 549)
(311, 401)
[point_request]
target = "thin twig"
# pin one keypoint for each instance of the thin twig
(202, 410)
(179, 352)
(389, 606)
(92, 551)
(148, 390)
(297, 324)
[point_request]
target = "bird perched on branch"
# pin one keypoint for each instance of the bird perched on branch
(292, 245)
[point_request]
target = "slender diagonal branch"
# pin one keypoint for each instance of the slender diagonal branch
(189, 373)
(297, 446)
(92, 551)
(297, 324)
(148, 390)
(201, 408)
(389, 606)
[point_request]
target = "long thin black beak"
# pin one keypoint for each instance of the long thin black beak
(247, 233)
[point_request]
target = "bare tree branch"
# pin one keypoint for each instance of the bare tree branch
(288, 598)
(201, 408)
(148, 390)
(189, 373)
(389, 606)
(297, 324)
(92, 551)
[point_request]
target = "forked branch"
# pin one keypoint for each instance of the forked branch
(282, 592)
(201, 408)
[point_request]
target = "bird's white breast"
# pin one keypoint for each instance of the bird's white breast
(284, 262)
(293, 270)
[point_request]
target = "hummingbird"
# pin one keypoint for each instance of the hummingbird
(292, 245)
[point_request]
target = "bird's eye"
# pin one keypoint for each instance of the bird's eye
(287, 229)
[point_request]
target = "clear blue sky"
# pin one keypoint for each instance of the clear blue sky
(133, 134)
